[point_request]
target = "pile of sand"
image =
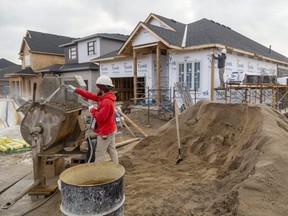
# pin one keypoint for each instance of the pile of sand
(235, 162)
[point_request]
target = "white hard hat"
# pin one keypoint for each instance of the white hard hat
(104, 80)
(224, 51)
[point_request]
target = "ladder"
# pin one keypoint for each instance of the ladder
(184, 94)
(140, 87)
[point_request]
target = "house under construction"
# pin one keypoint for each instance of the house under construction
(161, 51)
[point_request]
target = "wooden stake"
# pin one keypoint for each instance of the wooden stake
(131, 122)
(178, 133)
(126, 142)
(123, 122)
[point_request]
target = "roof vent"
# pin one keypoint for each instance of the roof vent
(212, 21)
(173, 20)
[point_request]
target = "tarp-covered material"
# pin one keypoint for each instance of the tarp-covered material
(9, 117)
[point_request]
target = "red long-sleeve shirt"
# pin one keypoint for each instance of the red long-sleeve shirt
(104, 114)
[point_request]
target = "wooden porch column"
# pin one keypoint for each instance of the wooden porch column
(20, 86)
(158, 92)
(135, 76)
(212, 76)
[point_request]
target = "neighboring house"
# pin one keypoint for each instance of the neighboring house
(37, 50)
(162, 51)
(78, 55)
(6, 67)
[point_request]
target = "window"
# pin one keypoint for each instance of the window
(197, 76)
(181, 73)
(91, 47)
(27, 60)
(72, 53)
(189, 73)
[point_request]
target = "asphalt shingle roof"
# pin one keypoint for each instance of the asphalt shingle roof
(10, 69)
(113, 36)
(179, 27)
(62, 68)
(206, 31)
(171, 37)
(5, 63)
(26, 71)
(47, 43)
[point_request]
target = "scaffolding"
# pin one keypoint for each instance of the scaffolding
(273, 95)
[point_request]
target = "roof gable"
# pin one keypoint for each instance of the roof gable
(144, 35)
(165, 23)
(45, 43)
(168, 31)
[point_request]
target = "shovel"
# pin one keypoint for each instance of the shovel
(178, 134)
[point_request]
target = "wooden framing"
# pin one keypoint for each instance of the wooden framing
(158, 93)
(212, 76)
(135, 75)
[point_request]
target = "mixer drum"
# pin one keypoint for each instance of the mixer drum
(57, 123)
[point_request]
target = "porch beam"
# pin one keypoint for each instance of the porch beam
(158, 93)
(212, 77)
(135, 76)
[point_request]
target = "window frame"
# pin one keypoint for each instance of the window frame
(91, 47)
(190, 74)
(72, 53)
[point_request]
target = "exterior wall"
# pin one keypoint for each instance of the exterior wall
(239, 65)
(26, 54)
(83, 50)
(103, 46)
(107, 45)
(39, 61)
(66, 54)
(88, 76)
(124, 68)
(146, 67)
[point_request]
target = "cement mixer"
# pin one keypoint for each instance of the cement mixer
(53, 122)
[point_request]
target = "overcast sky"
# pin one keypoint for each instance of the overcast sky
(260, 20)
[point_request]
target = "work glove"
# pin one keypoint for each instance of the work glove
(71, 88)
(90, 108)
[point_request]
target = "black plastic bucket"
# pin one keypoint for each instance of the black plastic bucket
(93, 189)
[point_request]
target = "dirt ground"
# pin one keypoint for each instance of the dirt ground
(20, 165)
(235, 162)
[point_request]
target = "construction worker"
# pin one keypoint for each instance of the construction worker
(105, 125)
(221, 66)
